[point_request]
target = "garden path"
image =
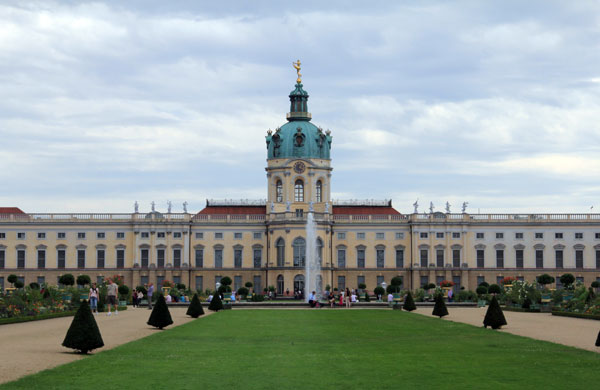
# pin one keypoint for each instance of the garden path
(574, 332)
(30, 347)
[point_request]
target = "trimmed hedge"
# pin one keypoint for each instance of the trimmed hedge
(520, 309)
(576, 315)
(47, 316)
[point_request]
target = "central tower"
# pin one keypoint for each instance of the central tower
(298, 160)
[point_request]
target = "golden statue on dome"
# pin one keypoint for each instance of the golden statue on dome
(297, 67)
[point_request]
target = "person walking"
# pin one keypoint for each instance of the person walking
(134, 299)
(347, 299)
(150, 292)
(111, 296)
(93, 298)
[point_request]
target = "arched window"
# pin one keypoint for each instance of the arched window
(319, 191)
(279, 191)
(299, 283)
(280, 285)
(280, 245)
(299, 191)
(299, 252)
(320, 250)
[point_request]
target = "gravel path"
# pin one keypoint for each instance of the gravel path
(574, 332)
(34, 346)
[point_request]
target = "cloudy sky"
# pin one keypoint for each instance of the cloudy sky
(494, 103)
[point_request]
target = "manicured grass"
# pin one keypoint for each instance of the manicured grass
(326, 349)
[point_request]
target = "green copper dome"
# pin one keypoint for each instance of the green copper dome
(298, 138)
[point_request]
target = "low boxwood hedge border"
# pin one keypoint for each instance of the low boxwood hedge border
(520, 309)
(576, 315)
(47, 316)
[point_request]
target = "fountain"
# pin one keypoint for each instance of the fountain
(313, 262)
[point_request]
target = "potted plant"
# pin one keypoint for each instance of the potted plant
(379, 291)
(545, 280)
(242, 292)
(66, 280)
(123, 294)
(481, 293)
(567, 281)
(12, 279)
(166, 287)
(249, 285)
(508, 281)
(82, 281)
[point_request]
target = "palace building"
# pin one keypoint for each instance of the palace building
(265, 242)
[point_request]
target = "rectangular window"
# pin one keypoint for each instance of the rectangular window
(456, 258)
(145, 254)
(299, 213)
(598, 259)
(218, 258)
(539, 258)
(341, 283)
(160, 258)
(61, 258)
(519, 236)
(257, 235)
(218, 236)
(380, 258)
(539, 235)
(499, 236)
(199, 235)
(499, 279)
(120, 258)
(479, 235)
(399, 258)
(257, 283)
(41, 280)
(360, 258)
(237, 236)
(100, 280)
(380, 280)
(341, 254)
(558, 236)
(61, 235)
(2, 259)
(237, 258)
(439, 235)
(519, 258)
(177, 235)
(480, 258)
(100, 258)
(439, 258)
(424, 280)
(159, 281)
(80, 258)
(399, 236)
(41, 259)
(120, 235)
(579, 279)
(199, 283)
(360, 236)
(423, 235)
(499, 258)
(456, 235)
(597, 236)
(145, 235)
(257, 257)
(199, 258)
(41, 236)
(100, 235)
(456, 280)
(341, 236)
(20, 236)
(176, 258)
(578, 259)
(559, 258)
(379, 236)
(424, 257)
(160, 234)
(2, 235)
(480, 279)
(176, 279)
(237, 282)
(21, 258)
(360, 280)
(81, 235)
(579, 236)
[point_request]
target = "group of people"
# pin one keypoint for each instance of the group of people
(112, 291)
(343, 298)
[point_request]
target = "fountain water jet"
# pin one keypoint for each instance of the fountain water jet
(312, 265)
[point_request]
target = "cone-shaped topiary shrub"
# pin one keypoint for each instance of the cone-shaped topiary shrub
(598, 340)
(195, 309)
(160, 316)
(409, 303)
(216, 304)
(494, 316)
(440, 306)
(83, 334)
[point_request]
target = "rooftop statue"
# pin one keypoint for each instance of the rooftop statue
(297, 67)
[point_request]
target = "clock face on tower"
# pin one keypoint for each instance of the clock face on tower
(299, 167)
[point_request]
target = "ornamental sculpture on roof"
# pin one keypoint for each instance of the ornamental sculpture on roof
(297, 67)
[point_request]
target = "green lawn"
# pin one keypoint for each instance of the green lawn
(326, 349)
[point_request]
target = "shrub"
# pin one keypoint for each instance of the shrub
(367, 298)
(142, 289)
(12, 278)
(494, 316)
(83, 334)
(395, 283)
(526, 303)
(494, 289)
(243, 291)
(567, 280)
(34, 286)
(226, 281)
(249, 285)
(328, 287)
(545, 279)
(598, 340)
(439, 309)
(379, 290)
(392, 289)
(420, 295)
(195, 309)
(409, 303)
(18, 284)
(224, 289)
(481, 290)
(180, 286)
(82, 280)
(160, 316)
(595, 284)
(466, 295)
(123, 290)
(216, 304)
(429, 286)
(362, 286)
(67, 280)
(258, 298)
(485, 284)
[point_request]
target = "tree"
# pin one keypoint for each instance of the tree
(34, 286)
(439, 309)
(123, 291)
(494, 289)
(19, 284)
(242, 291)
(180, 286)
(409, 303)
(361, 286)
(249, 285)
(67, 280)
(82, 280)
(160, 316)
(12, 278)
(485, 284)
(226, 281)
(567, 280)
(545, 279)
(481, 290)
(216, 304)
(195, 309)
(595, 284)
(379, 291)
(395, 283)
(494, 316)
(83, 334)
